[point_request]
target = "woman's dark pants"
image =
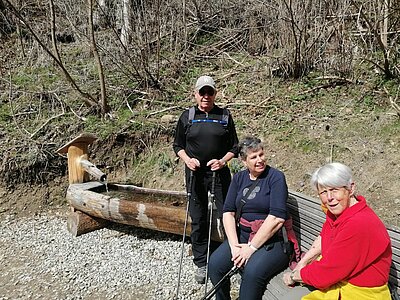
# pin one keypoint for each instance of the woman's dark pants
(262, 265)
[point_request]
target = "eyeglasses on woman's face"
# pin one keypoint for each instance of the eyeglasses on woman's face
(329, 192)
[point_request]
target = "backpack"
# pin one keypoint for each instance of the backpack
(292, 247)
(223, 121)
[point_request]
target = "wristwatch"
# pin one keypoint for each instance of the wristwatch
(291, 277)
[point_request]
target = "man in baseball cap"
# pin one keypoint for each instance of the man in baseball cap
(205, 140)
(205, 81)
(205, 93)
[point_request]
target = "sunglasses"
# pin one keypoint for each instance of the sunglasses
(206, 91)
(249, 141)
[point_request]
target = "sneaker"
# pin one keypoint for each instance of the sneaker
(200, 275)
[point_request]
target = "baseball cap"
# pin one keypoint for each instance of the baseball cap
(205, 81)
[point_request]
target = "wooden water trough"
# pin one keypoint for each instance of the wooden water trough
(96, 203)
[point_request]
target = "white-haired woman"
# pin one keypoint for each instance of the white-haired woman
(351, 257)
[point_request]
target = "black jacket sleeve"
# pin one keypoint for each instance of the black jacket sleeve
(233, 139)
(180, 132)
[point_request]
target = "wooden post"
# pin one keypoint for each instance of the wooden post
(79, 222)
(76, 150)
(76, 174)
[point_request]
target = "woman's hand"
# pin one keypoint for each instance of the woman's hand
(242, 254)
(287, 279)
(235, 249)
(290, 278)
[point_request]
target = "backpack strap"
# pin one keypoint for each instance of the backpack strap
(192, 111)
(224, 119)
(225, 115)
(243, 201)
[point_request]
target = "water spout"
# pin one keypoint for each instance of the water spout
(93, 170)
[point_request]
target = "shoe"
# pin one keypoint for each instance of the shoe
(200, 275)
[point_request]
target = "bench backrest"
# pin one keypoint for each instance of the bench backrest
(308, 218)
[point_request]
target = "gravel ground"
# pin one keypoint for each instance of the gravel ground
(41, 260)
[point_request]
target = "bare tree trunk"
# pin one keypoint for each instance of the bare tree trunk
(100, 15)
(53, 31)
(296, 34)
(378, 37)
(185, 34)
(126, 25)
(103, 94)
(384, 28)
(158, 38)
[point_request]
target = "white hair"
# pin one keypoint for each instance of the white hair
(333, 175)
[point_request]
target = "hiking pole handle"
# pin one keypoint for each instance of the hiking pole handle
(189, 186)
(213, 184)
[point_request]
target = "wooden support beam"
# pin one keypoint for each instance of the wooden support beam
(79, 223)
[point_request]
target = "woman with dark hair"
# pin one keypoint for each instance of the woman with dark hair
(351, 257)
(254, 242)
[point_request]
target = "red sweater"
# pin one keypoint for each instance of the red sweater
(355, 248)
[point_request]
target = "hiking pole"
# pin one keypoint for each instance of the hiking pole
(188, 196)
(227, 276)
(212, 201)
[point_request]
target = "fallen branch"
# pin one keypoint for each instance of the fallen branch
(337, 81)
(392, 102)
(245, 103)
(395, 106)
(337, 78)
(86, 97)
(234, 60)
(52, 118)
(129, 107)
(162, 110)
(47, 122)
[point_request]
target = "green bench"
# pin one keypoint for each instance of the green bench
(307, 222)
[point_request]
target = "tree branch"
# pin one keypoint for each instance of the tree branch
(87, 98)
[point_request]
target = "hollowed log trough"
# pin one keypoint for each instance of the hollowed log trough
(93, 203)
(90, 198)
